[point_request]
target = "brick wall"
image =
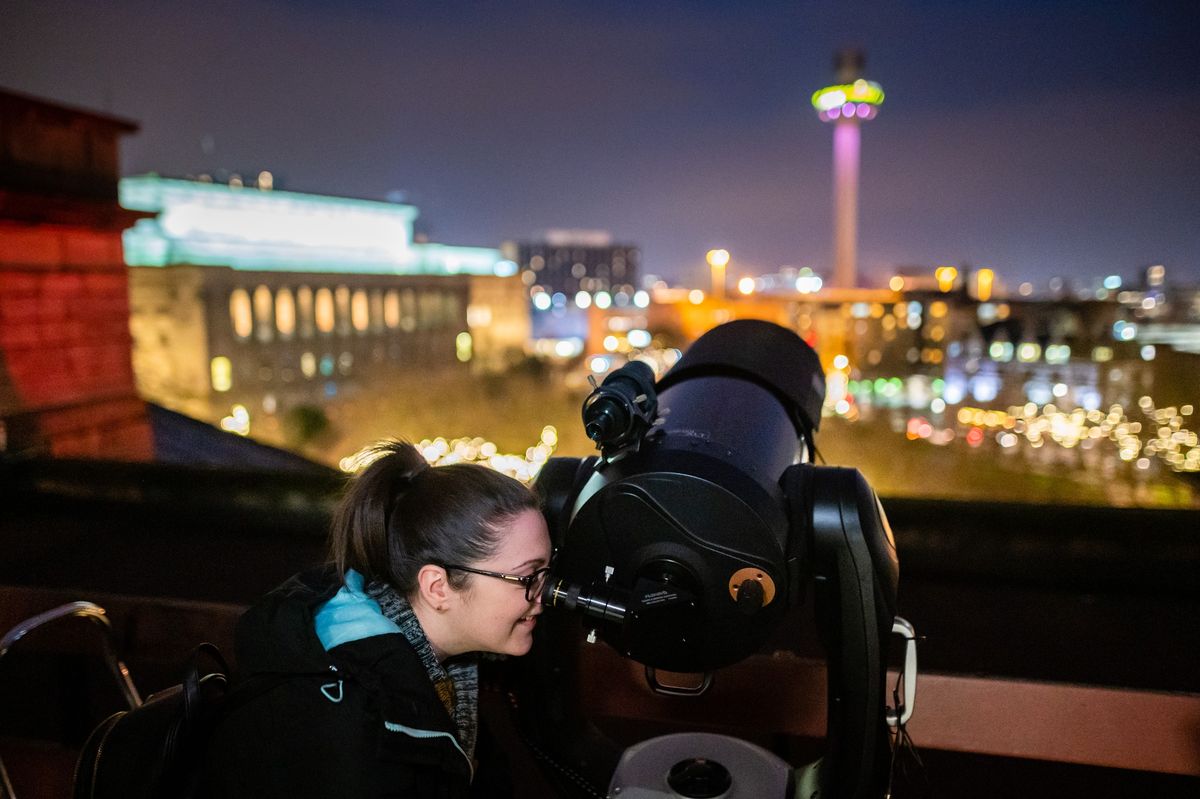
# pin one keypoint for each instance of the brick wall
(66, 380)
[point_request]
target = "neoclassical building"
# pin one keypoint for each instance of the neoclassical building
(267, 300)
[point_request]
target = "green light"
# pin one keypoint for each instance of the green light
(861, 91)
(210, 224)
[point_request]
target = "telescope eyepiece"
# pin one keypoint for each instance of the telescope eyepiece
(621, 409)
(602, 602)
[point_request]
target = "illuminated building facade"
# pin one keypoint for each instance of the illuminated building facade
(847, 105)
(266, 301)
(66, 381)
(880, 347)
(565, 263)
(568, 272)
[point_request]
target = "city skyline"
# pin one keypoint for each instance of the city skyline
(1037, 140)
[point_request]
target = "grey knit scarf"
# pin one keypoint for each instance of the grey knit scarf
(456, 683)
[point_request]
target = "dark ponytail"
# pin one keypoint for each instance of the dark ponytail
(399, 514)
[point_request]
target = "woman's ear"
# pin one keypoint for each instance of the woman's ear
(433, 587)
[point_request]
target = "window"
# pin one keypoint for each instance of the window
(463, 346)
(360, 311)
(408, 310)
(430, 310)
(240, 314)
(285, 313)
(304, 311)
(264, 314)
(341, 300)
(376, 311)
(324, 313)
(391, 309)
(222, 373)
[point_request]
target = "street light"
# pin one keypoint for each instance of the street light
(717, 259)
(945, 276)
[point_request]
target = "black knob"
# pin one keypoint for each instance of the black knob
(750, 597)
(699, 778)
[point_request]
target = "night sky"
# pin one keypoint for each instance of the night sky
(1037, 138)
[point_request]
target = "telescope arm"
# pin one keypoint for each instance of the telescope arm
(852, 560)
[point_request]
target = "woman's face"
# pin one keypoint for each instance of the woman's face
(494, 615)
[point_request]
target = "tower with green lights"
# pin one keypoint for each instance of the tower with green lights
(847, 104)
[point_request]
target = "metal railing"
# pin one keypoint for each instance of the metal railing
(97, 616)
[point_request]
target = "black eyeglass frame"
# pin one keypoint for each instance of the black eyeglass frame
(536, 578)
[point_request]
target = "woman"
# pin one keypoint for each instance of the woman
(361, 676)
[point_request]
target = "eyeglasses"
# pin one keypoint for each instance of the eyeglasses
(533, 583)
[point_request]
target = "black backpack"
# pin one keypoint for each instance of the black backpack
(156, 749)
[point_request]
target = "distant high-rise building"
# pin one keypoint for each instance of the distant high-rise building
(567, 262)
(847, 104)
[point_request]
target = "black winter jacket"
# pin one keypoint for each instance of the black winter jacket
(361, 720)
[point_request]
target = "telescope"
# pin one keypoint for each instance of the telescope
(683, 545)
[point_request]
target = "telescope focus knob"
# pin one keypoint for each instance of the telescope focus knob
(750, 597)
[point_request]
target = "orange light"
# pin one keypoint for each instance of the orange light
(945, 276)
(984, 280)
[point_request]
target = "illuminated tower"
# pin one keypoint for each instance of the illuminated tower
(846, 105)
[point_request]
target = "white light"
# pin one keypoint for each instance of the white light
(583, 299)
(603, 299)
(639, 338)
(541, 301)
(598, 364)
(833, 99)
(840, 362)
(954, 391)
(611, 343)
(641, 299)
(1058, 353)
(1148, 352)
(938, 405)
(238, 421)
(808, 284)
(1039, 394)
(985, 387)
(567, 348)
(505, 269)
(479, 315)
(695, 296)
(1059, 390)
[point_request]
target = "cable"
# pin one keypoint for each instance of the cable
(905, 760)
(581, 781)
